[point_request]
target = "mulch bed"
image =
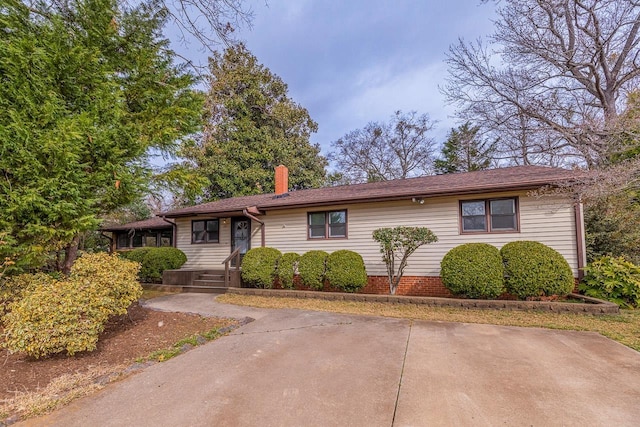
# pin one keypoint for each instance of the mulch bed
(125, 339)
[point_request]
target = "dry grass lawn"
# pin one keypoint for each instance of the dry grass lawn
(624, 328)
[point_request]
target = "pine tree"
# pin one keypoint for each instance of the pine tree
(464, 151)
(84, 98)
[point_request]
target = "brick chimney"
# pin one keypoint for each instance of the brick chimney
(282, 180)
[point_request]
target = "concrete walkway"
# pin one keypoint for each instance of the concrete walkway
(301, 368)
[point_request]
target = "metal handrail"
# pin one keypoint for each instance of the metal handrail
(235, 254)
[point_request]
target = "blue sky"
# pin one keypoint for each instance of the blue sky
(356, 61)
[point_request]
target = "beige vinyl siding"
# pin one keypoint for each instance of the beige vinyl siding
(209, 255)
(550, 221)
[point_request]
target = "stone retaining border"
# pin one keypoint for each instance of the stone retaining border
(591, 305)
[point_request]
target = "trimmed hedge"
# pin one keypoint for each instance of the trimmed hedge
(613, 279)
(53, 316)
(286, 271)
(259, 267)
(533, 269)
(153, 261)
(346, 271)
(312, 269)
(474, 270)
(136, 255)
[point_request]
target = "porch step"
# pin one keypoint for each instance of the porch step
(208, 282)
(205, 289)
(187, 288)
(211, 277)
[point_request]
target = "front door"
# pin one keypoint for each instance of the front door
(240, 235)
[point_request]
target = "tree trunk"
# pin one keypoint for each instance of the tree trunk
(70, 255)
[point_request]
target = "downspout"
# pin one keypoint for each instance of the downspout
(580, 238)
(246, 213)
(173, 231)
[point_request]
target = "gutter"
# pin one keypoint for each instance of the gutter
(246, 213)
(174, 242)
(580, 238)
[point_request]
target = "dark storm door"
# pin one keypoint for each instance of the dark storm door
(240, 235)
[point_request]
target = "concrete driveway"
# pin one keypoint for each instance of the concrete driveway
(301, 368)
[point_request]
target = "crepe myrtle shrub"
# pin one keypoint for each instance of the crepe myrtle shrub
(287, 267)
(54, 316)
(474, 270)
(312, 268)
(533, 269)
(614, 279)
(154, 261)
(259, 267)
(346, 271)
(396, 245)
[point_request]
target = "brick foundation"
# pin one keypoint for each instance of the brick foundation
(422, 286)
(413, 286)
(416, 286)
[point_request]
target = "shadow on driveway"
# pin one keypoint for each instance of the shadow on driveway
(303, 368)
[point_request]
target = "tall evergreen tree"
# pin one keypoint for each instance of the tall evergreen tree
(465, 151)
(252, 126)
(83, 98)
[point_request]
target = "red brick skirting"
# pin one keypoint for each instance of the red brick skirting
(414, 286)
(419, 286)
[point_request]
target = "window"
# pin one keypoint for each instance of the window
(137, 240)
(323, 225)
(165, 238)
(205, 231)
(142, 238)
(123, 241)
(487, 216)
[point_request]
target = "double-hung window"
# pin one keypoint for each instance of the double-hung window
(327, 225)
(489, 216)
(205, 231)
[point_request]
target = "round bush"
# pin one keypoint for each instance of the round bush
(346, 271)
(533, 269)
(287, 266)
(153, 261)
(312, 269)
(259, 267)
(53, 316)
(136, 255)
(474, 270)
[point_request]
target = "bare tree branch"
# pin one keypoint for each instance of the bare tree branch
(399, 149)
(553, 79)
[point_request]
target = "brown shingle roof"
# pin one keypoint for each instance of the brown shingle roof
(147, 224)
(502, 179)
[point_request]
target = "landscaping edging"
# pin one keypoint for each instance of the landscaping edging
(595, 306)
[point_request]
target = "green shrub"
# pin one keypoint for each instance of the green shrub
(533, 269)
(53, 316)
(135, 254)
(13, 287)
(346, 271)
(312, 269)
(474, 270)
(153, 261)
(613, 279)
(259, 267)
(397, 245)
(287, 266)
